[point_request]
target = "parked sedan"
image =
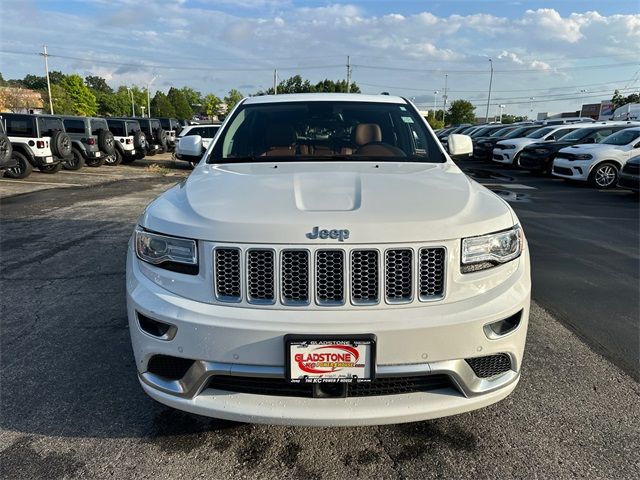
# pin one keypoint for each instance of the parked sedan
(600, 163)
(538, 157)
(630, 174)
(483, 146)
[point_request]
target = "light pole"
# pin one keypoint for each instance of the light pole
(133, 108)
(435, 103)
(142, 107)
(582, 92)
(149, 96)
(531, 99)
(444, 98)
(489, 96)
(502, 107)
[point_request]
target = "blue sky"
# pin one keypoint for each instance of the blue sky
(558, 52)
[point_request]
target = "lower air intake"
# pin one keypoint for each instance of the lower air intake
(490, 366)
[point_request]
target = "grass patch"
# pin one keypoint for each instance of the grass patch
(158, 169)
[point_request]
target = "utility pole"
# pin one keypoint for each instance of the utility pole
(275, 82)
(133, 108)
(46, 69)
(444, 98)
(489, 97)
(348, 75)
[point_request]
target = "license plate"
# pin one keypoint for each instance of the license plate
(98, 154)
(329, 359)
(48, 160)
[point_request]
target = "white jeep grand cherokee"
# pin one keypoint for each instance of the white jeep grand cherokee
(326, 263)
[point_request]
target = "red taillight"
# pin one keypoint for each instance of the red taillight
(129, 141)
(40, 144)
(91, 141)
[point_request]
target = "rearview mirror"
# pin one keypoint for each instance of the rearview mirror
(191, 145)
(460, 146)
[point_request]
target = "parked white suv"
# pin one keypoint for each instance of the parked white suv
(327, 263)
(192, 151)
(508, 151)
(598, 163)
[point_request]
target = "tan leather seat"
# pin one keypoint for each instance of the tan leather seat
(367, 133)
(280, 140)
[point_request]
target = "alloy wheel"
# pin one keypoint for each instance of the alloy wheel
(605, 176)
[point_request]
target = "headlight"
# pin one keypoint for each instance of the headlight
(509, 147)
(486, 251)
(171, 253)
(582, 156)
(542, 151)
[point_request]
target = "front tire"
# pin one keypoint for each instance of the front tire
(76, 162)
(604, 175)
(22, 170)
(114, 159)
(51, 168)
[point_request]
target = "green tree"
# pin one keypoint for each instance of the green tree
(55, 77)
(508, 119)
(435, 120)
(3, 82)
(212, 105)
(62, 102)
(97, 84)
(193, 97)
(82, 98)
(461, 111)
(339, 86)
(180, 103)
(161, 106)
(232, 99)
(34, 82)
(619, 100)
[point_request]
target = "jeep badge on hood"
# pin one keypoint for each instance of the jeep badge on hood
(340, 235)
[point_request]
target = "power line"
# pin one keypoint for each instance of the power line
(523, 70)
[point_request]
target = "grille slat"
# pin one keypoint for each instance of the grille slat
(330, 277)
(431, 273)
(227, 274)
(260, 276)
(399, 275)
(364, 277)
(295, 277)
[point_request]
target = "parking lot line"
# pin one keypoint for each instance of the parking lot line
(91, 173)
(510, 186)
(42, 183)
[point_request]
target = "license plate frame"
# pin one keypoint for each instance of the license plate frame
(362, 342)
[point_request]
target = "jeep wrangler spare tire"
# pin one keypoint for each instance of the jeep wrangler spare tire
(60, 144)
(161, 137)
(5, 148)
(139, 141)
(106, 142)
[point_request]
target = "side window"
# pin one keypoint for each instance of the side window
(20, 127)
(195, 131)
(211, 132)
(73, 126)
(132, 128)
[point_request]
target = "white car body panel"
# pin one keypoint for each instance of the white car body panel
(272, 205)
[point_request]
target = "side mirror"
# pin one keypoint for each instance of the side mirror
(460, 146)
(191, 145)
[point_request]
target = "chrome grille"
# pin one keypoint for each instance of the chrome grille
(295, 277)
(431, 273)
(264, 275)
(330, 277)
(399, 275)
(260, 276)
(364, 277)
(227, 274)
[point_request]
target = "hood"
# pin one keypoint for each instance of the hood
(279, 203)
(590, 147)
(518, 142)
(549, 145)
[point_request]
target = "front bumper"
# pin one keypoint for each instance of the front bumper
(535, 161)
(630, 181)
(228, 340)
(503, 156)
(572, 169)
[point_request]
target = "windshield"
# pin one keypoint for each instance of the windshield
(623, 137)
(542, 132)
(298, 131)
(578, 134)
(500, 131)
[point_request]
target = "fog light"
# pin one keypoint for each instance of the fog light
(503, 327)
(155, 328)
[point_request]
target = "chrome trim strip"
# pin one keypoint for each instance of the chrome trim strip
(196, 378)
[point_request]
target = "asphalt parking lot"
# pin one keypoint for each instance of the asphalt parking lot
(71, 405)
